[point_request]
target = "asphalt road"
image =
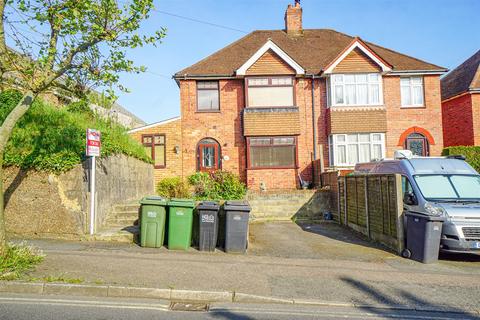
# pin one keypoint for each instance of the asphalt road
(31, 307)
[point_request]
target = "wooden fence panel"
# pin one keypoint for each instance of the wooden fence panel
(341, 199)
(361, 202)
(351, 200)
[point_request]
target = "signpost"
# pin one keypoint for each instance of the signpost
(92, 151)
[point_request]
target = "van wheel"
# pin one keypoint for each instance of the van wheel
(406, 253)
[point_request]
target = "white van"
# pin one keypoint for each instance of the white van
(441, 186)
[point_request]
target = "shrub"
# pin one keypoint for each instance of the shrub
(218, 185)
(17, 260)
(471, 153)
(52, 139)
(173, 188)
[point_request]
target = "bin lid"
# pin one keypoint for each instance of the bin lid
(237, 205)
(185, 203)
(424, 216)
(155, 200)
(208, 205)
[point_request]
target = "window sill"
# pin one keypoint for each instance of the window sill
(159, 167)
(413, 107)
(272, 168)
(208, 111)
(358, 106)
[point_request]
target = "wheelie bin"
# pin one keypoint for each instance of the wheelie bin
(180, 219)
(237, 214)
(423, 237)
(207, 215)
(152, 221)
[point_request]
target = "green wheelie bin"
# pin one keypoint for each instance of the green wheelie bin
(180, 221)
(152, 221)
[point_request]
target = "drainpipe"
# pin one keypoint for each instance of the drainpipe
(314, 126)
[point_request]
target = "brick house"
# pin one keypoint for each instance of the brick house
(461, 104)
(268, 105)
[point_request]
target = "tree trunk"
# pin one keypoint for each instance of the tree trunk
(5, 132)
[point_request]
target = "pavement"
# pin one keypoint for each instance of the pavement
(296, 264)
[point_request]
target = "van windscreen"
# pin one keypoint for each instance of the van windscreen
(450, 186)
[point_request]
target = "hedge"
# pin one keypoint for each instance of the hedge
(471, 153)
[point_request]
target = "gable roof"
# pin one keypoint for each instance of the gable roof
(314, 51)
(463, 78)
(155, 124)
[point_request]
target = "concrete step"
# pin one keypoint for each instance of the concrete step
(122, 221)
(119, 234)
(122, 214)
(120, 208)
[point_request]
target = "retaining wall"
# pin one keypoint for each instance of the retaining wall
(38, 204)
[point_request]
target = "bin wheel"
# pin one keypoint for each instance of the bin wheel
(406, 253)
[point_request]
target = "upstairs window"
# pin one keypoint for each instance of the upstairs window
(155, 148)
(207, 96)
(412, 91)
(270, 92)
(360, 89)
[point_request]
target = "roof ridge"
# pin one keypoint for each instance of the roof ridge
(218, 51)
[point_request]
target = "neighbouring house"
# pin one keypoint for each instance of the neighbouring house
(267, 106)
(163, 142)
(461, 104)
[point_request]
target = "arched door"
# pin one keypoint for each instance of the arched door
(418, 144)
(208, 155)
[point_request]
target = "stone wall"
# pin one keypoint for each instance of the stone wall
(38, 204)
(285, 205)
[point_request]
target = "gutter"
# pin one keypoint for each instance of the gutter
(417, 72)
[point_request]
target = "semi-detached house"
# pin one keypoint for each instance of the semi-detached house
(268, 105)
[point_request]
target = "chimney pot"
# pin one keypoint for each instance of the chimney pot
(293, 19)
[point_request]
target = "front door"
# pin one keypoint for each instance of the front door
(208, 156)
(417, 143)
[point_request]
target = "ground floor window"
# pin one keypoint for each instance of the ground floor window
(418, 144)
(352, 148)
(155, 148)
(272, 152)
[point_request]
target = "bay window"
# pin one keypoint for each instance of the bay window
(359, 89)
(412, 91)
(352, 148)
(272, 152)
(270, 92)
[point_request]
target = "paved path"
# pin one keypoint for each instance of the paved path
(324, 262)
(30, 307)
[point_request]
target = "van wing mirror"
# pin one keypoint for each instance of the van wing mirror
(410, 199)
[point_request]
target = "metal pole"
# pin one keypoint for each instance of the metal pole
(92, 196)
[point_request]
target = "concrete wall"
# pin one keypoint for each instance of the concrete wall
(39, 204)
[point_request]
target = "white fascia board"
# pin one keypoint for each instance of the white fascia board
(359, 45)
(417, 73)
(270, 45)
(148, 126)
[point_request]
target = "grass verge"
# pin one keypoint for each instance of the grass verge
(19, 258)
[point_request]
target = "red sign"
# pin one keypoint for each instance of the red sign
(93, 143)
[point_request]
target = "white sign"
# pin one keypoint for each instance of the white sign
(93, 143)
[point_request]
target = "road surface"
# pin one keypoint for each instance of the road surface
(32, 307)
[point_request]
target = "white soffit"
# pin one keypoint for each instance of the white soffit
(359, 45)
(270, 45)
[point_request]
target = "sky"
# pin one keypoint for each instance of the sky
(443, 32)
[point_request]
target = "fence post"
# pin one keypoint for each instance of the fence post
(367, 220)
(399, 211)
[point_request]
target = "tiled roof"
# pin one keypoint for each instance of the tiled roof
(313, 51)
(465, 76)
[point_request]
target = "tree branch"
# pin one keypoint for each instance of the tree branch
(3, 44)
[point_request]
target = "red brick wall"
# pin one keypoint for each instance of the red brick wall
(458, 121)
(273, 179)
(400, 119)
(224, 126)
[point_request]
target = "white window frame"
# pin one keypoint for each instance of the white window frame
(332, 98)
(411, 86)
(333, 143)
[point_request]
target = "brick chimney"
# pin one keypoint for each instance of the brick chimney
(293, 19)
